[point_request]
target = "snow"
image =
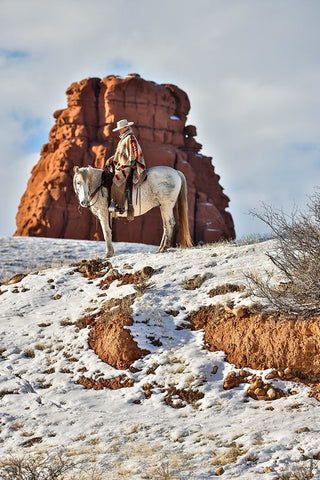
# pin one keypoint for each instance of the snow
(42, 354)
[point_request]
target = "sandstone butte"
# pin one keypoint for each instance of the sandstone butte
(82, 135)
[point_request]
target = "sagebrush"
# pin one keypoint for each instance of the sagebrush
(295, 254)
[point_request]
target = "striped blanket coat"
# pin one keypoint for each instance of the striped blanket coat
(128, 152)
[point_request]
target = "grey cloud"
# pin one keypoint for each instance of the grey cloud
(250, 68)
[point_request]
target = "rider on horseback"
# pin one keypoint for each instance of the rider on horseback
(129, 163)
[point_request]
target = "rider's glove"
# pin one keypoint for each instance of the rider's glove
(109, 161)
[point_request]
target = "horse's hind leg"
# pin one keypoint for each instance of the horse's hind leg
(168, 223)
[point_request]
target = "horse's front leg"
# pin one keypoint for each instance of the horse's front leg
(107, 233)
(168, 226)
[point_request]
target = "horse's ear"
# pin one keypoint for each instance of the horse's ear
(75, 169)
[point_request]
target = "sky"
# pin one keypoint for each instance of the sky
(251, 69)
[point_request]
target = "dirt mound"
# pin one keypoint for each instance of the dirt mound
(113, 342)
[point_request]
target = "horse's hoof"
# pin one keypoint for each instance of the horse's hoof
(109, 254)
(161, 250)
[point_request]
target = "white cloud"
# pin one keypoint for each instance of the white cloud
(250, 68)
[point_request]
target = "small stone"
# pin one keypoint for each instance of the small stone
(303, 430)
(259, 392)
(240, 311)
(268, 470)
(271, 394)
(220, 471)
(231, 381)
(271, 375)
(16, 278)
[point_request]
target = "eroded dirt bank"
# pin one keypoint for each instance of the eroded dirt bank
(261, 341)
(113, 342)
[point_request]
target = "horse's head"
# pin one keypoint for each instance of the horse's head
(81, 184)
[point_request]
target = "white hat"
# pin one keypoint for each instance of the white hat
(122, 124)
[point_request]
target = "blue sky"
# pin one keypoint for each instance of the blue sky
(251, 69)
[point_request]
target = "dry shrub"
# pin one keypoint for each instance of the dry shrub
(93, 268)
(29, 353)
(35, 467)
(230, 455)
(179, 397)
(196, 281)
(127, 278)
(298, 472)
(296, 255)
(226, 288)
(45, 466)
(115, 383)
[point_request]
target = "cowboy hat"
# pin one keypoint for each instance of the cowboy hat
(122, 124)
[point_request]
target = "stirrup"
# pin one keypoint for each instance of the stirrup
(112, 207)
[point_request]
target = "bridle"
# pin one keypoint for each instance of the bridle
(106, 181)
(91, 195)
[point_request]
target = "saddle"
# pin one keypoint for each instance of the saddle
(119, 195)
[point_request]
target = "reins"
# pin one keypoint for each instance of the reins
(93, 194)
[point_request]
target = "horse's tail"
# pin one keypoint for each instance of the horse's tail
(182, 207)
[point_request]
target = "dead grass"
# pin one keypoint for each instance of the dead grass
(180, 397)
(29, 353)
(194, 282)
(298, 472)
(230, 455)
(226, 288)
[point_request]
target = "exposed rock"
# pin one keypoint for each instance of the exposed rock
(220, 471)
(259, 390)
(82, 135)
(233, 380)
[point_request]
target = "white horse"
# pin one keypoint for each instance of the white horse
(164, 187)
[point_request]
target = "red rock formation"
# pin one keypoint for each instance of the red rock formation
(82, 135)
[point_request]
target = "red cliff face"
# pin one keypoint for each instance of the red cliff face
(82, 135)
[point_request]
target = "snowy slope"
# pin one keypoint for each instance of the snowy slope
(43, 354)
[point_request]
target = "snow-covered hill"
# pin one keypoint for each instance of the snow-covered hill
(125, 433)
